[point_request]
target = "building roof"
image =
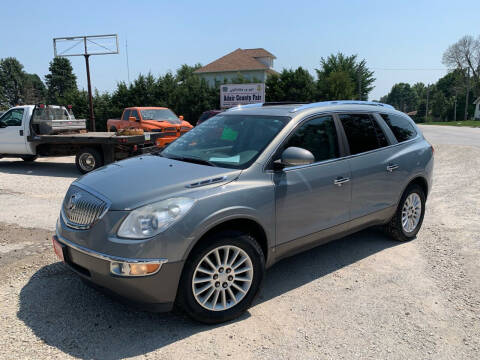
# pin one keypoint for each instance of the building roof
(238, 60)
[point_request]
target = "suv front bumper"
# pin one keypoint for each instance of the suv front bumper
(154, 292)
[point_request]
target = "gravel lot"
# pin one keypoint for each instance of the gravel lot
(364, 296)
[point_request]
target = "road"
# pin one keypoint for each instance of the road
(451, 135)
(364, 296)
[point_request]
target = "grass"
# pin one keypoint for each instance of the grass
(469, 123)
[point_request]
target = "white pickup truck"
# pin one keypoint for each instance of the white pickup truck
(30, 131)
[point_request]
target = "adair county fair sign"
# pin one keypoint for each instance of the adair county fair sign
(241, 94)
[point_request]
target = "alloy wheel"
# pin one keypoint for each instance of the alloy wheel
(222, 278)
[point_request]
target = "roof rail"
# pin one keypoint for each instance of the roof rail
(341, 102)
(239, 107)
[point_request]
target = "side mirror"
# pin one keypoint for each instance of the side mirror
(2, 125)
(294, 156)
(132, 118)
(181, 117)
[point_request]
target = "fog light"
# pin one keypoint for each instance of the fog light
(133, 269)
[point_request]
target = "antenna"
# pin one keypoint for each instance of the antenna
(85, 46)
(128, 67)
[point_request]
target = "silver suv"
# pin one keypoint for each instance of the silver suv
(197, 224)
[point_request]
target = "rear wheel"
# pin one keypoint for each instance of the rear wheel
(29, 158)
(88, 159)
(408, 219)
(221, 278)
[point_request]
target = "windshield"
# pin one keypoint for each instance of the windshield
(232, 141)
(160, 115)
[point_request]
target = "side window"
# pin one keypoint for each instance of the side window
(126, 114)
(134, 113)
(400, 126)
(13, 117)
(363, 133)
(318, 136)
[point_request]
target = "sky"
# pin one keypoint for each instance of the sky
(402, 41)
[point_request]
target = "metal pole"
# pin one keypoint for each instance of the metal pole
(90, 98)
(426, 108)
(455, 109)
(466, 96)
(359, 87)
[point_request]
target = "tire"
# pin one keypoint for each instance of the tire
(29, 158)
(113, 129)
(88, 159)
(250, 256)
(395, 227)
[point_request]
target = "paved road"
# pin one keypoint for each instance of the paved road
(451, 135)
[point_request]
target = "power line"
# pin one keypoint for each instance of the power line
(410, 69)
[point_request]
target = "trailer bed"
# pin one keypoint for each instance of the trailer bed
(96, 138)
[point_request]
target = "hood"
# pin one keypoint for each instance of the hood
(141, 180)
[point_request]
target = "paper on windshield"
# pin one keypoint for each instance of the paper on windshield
(231, 159)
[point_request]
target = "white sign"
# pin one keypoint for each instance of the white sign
(241, 94)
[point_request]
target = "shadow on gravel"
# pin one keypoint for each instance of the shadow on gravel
(53, 169)
(84, 323)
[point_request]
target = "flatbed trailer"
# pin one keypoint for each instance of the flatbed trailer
(91, 150)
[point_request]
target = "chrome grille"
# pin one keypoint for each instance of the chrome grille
(81, 209)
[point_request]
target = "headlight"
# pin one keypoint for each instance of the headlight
(152, 219)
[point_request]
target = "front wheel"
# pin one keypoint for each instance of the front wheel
(221, 278)
(408, 219)
(88, 159)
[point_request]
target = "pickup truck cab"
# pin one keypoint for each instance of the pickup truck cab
(153, 119)
(30, 131)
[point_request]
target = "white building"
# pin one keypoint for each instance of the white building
(252, 64)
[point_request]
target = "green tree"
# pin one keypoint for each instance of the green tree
(291, 85)
(61, 81)
(355, 78)
(12, 80)
(34, 90)
(402, 96)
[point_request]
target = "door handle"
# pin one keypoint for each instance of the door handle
(391, 167)
(340, 180)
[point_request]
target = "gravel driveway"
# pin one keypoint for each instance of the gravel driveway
(364, 296)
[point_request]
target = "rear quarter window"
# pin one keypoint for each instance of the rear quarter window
(400, 126)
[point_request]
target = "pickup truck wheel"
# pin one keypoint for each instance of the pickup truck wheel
(407, 221)
(88, 159)
(221, 277)
(29, 158)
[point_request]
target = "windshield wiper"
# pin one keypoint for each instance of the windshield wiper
(192, 159)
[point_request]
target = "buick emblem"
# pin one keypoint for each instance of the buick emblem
(72, 202)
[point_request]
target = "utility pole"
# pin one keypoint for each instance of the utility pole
(455, 108)
(426, 108)
(466, 96)
(359, 86)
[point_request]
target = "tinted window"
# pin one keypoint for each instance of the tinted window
(13, 118)
(363, 133)
(317, 136)
(400, 126)
(126, 114)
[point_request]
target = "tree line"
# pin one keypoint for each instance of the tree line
(339, 76)
(452, 96)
